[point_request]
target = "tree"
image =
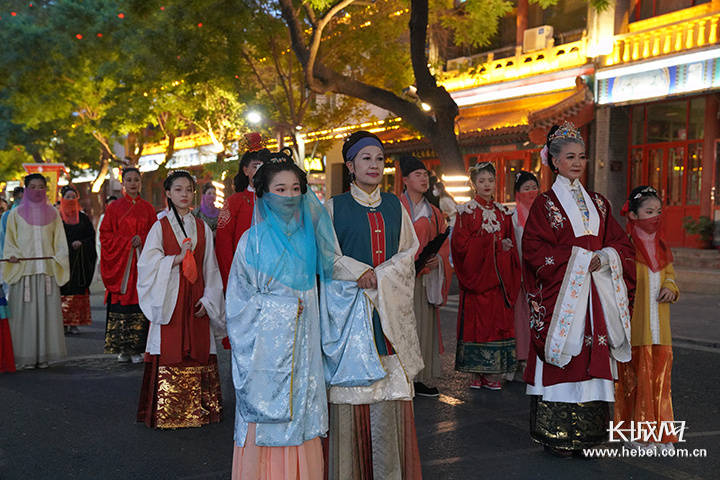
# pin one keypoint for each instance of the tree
(474, 21)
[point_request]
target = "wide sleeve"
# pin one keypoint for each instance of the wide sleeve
(149, 219)
(60, 254)
(669, 281)
(12, 272)
(472, 252)
(508, 262)
(213, 299)
(618, 239)
(115, 247)
(346, 267)
(407, 249)
(158, 280)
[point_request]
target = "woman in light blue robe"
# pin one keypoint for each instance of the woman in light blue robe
(278, 328)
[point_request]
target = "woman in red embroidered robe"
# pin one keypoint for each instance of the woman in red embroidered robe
(487, 266)
(180, 292)
(236, 215)
(125, 226)
(579, 276)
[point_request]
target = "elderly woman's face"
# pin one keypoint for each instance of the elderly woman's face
(571, 162)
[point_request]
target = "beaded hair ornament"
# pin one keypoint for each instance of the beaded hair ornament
(645, 191)
(479, 166)
(566, 130)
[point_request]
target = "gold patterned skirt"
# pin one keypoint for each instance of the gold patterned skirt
(180, 396)
(126, 330)
(569, 426)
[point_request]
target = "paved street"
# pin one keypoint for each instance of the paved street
(76, 419)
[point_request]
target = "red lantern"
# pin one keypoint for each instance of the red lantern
(200, 25)
(121, 15)
(78, 36)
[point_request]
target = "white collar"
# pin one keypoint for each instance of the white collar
(250, 188)
(372, 199)
(566, 183)
(561, 187)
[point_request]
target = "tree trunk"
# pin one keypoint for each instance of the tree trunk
(104, 169)
(440, 130)
(442, 135)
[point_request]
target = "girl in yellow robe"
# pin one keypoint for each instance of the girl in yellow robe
(642, 392)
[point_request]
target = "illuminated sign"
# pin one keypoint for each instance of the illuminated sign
(642, 82)
(314, 165)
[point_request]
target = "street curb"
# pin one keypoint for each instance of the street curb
(697, 341)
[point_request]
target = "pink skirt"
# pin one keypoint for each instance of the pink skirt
(252, 462)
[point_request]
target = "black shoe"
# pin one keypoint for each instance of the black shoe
(425, 391)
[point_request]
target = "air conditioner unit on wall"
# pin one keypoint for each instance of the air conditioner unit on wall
(538, 38)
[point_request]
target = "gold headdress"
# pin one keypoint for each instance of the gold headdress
(566, 130)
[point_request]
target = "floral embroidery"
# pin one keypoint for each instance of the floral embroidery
(567, 312)
(601, 205)
(537, 313)
(602, 340)
(588, 340)
(549, 261)
(555, 217)
(223, 217)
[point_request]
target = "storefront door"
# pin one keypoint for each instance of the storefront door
(674, 169)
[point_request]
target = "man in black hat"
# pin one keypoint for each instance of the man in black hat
(433, 272)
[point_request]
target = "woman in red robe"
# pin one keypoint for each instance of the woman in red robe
(580, 279)
(123, 232)
(236, 215)
(487, 267)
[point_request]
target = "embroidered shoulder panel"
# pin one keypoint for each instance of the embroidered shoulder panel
(554, 215)
(602, 207)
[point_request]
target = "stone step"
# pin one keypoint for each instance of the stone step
(698, 280)
(695, 258)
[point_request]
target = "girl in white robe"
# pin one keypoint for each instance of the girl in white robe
(180, 292)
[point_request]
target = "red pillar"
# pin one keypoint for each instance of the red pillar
(709, 163)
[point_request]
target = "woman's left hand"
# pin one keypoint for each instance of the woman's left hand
(201, 311)
(506, 244)
(666, 295)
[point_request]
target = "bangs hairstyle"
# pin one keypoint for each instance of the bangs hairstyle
(555, 145)
(639, 195)
(127, 170)
(274, 163)
(523, 177)
(241, 181)
(34, 176)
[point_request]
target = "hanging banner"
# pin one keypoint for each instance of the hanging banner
(51, 172)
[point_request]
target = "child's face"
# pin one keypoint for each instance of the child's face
(649, 208)
(285, 183)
